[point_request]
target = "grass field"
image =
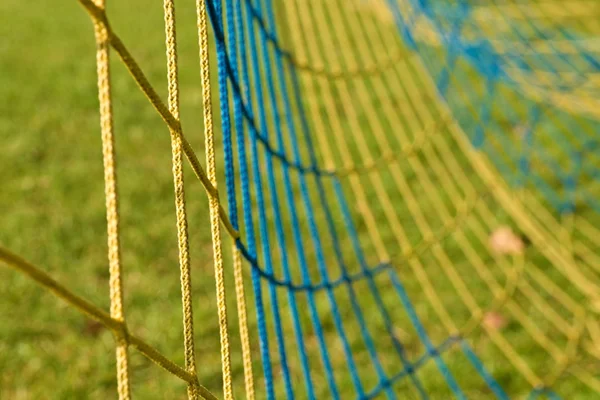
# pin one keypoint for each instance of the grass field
(52, 213)
(53, 205)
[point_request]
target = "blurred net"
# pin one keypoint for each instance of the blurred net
(374, 226)
(414, 183)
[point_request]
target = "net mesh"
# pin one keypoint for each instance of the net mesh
(412, 185)
(369, 219)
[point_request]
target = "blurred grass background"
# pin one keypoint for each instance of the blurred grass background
(52, 208)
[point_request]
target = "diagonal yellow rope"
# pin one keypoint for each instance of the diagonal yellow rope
(112, 212)
(117, 327)
(134, 69)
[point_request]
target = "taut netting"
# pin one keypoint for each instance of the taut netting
(413, 186)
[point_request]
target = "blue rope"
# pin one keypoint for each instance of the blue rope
(373, 288)
(291, 298)
(225, 119)
(444, 78)
(537, 392)
(310, 287)
(312, 227)
(414, 367)
(277, 124)
(481, 56)
(485, 113)
(424, 337)
(260, 314)
(331, 226)
(459, 13)
(278, 224)
(482, 371)
(528, 140)
(387, 320)
(351, 230)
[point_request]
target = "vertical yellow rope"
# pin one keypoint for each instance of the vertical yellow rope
(112, 212)
(182, 228)
(213, 197)
(243, 322)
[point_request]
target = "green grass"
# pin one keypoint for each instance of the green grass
(52, 213)
(53, 208)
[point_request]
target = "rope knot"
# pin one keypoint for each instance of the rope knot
(120, 332)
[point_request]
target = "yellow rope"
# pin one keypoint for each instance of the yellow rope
(179, 144)
(243, 323)
(442, 200)
(214, 198)
(182, 228)
(117, 327)
(484, 273)
(173, 123)
(112, 212)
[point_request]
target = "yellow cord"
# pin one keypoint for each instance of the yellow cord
(214, 198)
(112, 211)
